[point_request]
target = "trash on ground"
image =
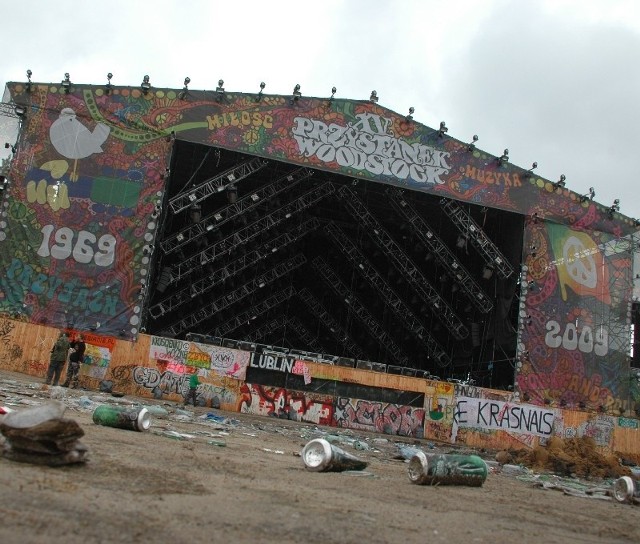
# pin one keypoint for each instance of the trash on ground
(319, 455)
(40, 435)
(130, 418)
(627, 490)
(447, 469)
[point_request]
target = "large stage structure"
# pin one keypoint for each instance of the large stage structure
(318, 224)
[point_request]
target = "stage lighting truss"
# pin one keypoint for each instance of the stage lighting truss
(218, 276)
(378, 332)
(443, 254)
(249, 288)
(438, 306)
(394, 302)
(256, 310)
(294, 325)
(324, 317)
(9, 110)
(220, 217)
(467, 226)
(248, 233)
(215, 185)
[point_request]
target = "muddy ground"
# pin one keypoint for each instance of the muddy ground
(159, 486)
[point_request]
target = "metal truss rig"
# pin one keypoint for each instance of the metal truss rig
(330, 323)
(217, 277)
(242, 205)
(256, 310)
(249, 288)
(438, 306)
(376, 330)
(287, 321)
(468, 227)
(215, 185)
(400, 309)
(443, 254)
(249, 232)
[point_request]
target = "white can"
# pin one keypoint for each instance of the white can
(625, 489)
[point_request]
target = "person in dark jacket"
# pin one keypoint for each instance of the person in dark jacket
(75, 360)
(58, 358)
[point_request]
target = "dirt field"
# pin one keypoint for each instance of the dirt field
(152, 487)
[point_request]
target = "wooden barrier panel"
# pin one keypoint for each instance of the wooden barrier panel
(154, 367)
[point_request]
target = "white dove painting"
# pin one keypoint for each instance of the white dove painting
(75, 141)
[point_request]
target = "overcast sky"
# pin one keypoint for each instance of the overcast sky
(556, 82)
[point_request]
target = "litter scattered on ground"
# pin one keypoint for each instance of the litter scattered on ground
(40, 435)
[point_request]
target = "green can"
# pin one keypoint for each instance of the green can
(447, 469)
(133, 419)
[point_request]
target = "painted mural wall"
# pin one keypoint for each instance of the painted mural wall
(159, 368)
(575, 314)
(80, 213)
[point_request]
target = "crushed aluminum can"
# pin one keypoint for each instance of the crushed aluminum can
(133, 419)
(626, 490)
(319, 455)
(446, 469)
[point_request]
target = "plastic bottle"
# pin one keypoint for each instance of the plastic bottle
(626, 489)
(133, 419)
(445, 469)
(319, 455)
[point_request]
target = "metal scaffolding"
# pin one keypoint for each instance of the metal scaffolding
(468, 228)
(218, 276)
(330, 323)
(442, 253)
(218, 218)
(244, 235)
(215, 185)
(257, 310)
(394, 302)
(438, 306)
(249, 288)
(359, 310)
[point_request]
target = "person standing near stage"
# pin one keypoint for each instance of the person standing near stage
(75, 360)
(59, 353)
(194, 382)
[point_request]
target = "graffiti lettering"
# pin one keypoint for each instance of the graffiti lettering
(20, 276)
(585, 341)
(367, 145)
(503, 416)
(379, 417)
(270, 362)
(491, 177)
(82, 251)
(236, 119)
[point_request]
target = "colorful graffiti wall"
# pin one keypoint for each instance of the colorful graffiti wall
(88, 179)
(575, 318)
(159, 368)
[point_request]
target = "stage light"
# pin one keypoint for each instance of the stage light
(9, 146)
(615, 207)
(20, 110)
(232, 194)
(504, 158)
(145, 85)
(108, 85)
(462, 241)
(185, 90)
(333, 94)
(589, 196)
(195, 212)
(66, 83)
(636, 222)
(560, 184)
(472, 144)
(262, 86)
(296, 93)
(443, 129)
(28, 85)
(374, 97)
(530, 171)
(220, 90)
(487, 272)
(409, 116)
